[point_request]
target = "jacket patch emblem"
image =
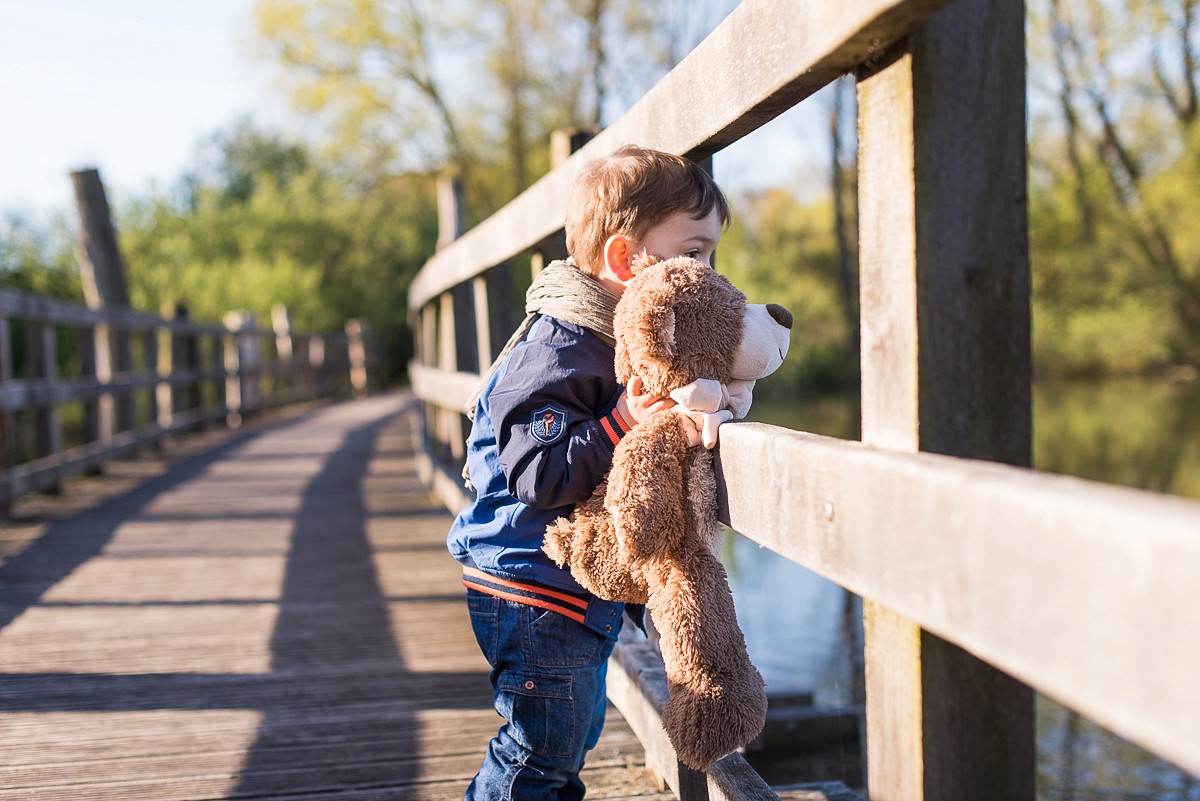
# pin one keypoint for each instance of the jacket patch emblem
(548, 424)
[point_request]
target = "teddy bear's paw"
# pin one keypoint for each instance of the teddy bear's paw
(706, 725)
(604, 574)
(557, 542)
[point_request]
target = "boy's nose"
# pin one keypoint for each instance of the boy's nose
(780, 315)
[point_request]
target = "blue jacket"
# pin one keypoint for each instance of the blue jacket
(543, 437)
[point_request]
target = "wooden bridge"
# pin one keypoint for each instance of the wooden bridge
(273, 616)
(266, 614)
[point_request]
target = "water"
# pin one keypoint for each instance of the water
(1138, 432)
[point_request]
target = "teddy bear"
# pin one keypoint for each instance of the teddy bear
(648, 534)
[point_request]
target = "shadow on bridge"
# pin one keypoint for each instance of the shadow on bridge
(368, 666)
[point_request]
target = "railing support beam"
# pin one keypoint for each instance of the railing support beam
(946, 366)
(103, 272)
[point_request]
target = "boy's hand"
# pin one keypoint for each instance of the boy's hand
(636, 407)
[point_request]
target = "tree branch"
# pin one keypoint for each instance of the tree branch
(1189, 58)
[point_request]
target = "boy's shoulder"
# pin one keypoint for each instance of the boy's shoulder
(565, 344)
(557, 353)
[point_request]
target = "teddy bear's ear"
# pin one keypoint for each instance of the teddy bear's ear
(658, 332)
(641, 261)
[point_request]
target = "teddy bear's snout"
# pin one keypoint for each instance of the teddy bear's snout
(780, 315)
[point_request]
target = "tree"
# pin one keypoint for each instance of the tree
(39, 258)
(779, 250)
(1111, 160)
(416, 85)
(266, 222)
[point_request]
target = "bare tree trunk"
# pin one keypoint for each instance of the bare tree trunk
(1071, 118)
(421, 76)
(1125, 175)
(598, 56)
(1190, 107)
(513, 74)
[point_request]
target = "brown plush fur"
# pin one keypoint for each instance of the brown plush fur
(648, 533)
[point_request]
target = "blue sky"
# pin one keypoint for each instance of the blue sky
(131, 87)
(127, 86)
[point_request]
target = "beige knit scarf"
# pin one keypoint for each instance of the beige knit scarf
(566, 293)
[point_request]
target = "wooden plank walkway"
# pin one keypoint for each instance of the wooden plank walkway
(269, 614)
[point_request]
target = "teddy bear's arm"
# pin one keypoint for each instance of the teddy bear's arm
(646, 485)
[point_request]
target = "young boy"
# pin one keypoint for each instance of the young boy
(546, 422)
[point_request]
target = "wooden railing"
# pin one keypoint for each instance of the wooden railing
(80, 386)
(982, 580)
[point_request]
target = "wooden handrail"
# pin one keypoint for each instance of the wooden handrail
(1081, 589)
(212, 379)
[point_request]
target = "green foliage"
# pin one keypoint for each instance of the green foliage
(426, 84)
(1115, 151)
(268, 225)
(1101, 304)
(778, 250)
(39, 258)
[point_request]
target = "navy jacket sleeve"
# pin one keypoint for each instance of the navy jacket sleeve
(548, 410)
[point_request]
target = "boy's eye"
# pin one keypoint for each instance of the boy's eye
(694, 253)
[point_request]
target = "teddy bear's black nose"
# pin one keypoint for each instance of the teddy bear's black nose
(780, 315)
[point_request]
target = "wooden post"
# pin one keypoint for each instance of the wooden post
(356, 345)
(946, 366)
(242, 366)
(563, 144)
(427, 341)
(185, 359)
(450, 427)
(285, 379)
(693, 784)
(40, 348)
(316, 361)
(100, 264)
(483, 324)
(451, 207)
(103, 274)
(216, 357)
(86, 339)
(160, 393)
(8, 448)
(565, 141)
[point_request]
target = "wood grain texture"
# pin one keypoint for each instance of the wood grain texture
(1085, 590)
(946, 366)
(275, 617)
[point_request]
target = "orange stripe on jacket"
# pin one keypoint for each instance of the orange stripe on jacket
(479, 574)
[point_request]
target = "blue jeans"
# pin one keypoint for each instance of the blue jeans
(548, 683)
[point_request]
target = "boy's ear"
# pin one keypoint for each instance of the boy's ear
(618, 256)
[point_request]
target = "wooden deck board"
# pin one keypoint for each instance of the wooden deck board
(272, 615)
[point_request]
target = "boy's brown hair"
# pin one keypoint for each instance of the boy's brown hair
(631, 191)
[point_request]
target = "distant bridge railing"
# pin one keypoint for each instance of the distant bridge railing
(81, 386)
(982, 580)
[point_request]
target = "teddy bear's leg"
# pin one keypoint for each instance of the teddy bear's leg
(701, 492)
(717, 700)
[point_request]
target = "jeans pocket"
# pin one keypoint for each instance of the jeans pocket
(485, 614)
(554, 641)
(540, 711)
